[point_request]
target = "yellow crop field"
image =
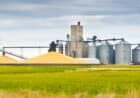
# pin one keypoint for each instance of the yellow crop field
(69, 81)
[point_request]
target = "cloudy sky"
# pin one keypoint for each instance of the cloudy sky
(37, 22)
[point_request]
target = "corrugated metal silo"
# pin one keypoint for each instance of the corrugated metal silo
(106, 53)
(136, 55)
(123, 53)
(92, 51)
(85, 50)
(97, 51)
(60, 47)
(67, 48)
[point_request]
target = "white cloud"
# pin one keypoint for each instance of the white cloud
(22, 6)
(43, 28)
(48, 21)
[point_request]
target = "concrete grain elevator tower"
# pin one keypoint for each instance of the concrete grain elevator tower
(76, 41)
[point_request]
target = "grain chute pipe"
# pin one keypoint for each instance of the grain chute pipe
(5, 52)
(26, 47)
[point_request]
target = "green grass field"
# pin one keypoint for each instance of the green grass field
(70, 79)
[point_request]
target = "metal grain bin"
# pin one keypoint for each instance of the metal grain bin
(123, 53)
(106, 53)
(85, 50)
(60, 47)
(92, 51)
(136, 55)
(97, 51)
(67, 48)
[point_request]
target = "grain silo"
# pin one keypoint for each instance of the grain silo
(60, 48)
(92, 51)
(67, 45)
(67, 49)
(106, 53)
(85, 49)
(123, 53)
(97, 51)
(136, 55)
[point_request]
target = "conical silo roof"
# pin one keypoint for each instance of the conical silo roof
(138, 47)
(123, 42)
(105, 43)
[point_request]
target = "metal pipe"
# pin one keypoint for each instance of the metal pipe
(135, 44)
(6, 52)
(99, 40)
(26, 47)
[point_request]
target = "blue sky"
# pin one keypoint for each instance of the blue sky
(37, 22)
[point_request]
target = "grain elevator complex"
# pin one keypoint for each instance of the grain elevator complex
(76, 50)
(101, 50)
